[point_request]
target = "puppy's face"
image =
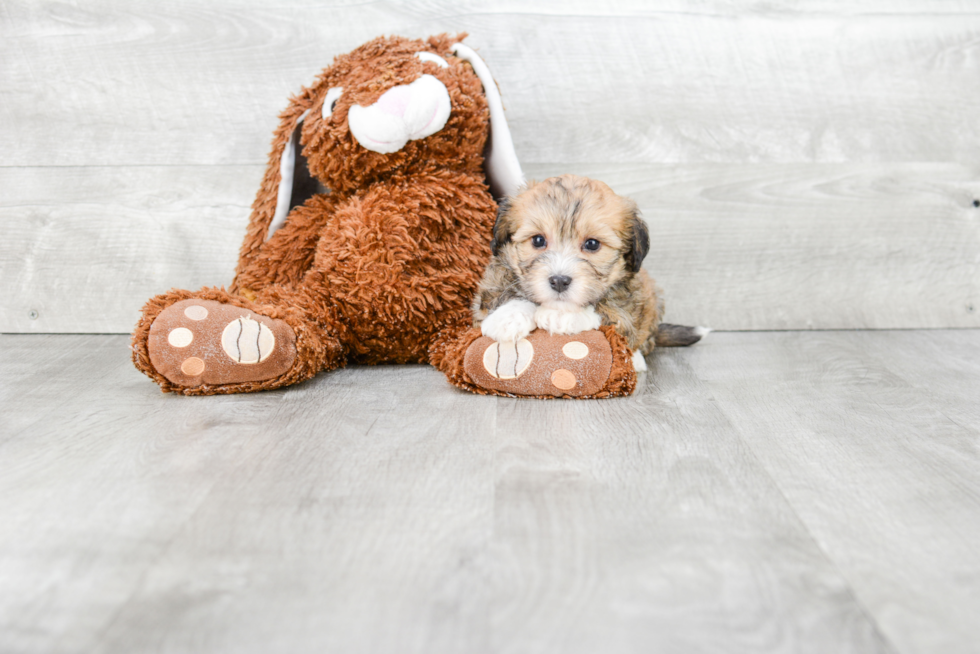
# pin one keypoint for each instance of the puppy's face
(569, 239)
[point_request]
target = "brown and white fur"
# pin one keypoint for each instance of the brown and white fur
(566, 258)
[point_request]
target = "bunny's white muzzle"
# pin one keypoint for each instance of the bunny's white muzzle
(404, 113)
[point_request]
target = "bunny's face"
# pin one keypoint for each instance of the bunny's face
(394, 104)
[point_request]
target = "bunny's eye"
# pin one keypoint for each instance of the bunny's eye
(434, 58)
(330, 102)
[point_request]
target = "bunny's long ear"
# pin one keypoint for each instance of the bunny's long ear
(286, 183)
(287, 168)
(503, 170)
(296, 183)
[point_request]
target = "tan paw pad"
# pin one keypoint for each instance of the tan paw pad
(192, 367)
(508, 360)
(247, 341)
(575, 350)
(180, 337)
(563, 379)
(196, 312)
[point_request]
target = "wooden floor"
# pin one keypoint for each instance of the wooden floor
(761, 492)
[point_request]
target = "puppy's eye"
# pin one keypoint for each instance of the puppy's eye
(330, 102)
(590, 245)
(539, 241)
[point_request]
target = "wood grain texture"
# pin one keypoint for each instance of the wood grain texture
(175, 526)
(765, 246)
(645, 524)
(84, 248)
(760, 493)
(362, 514)
(947, 382)
(856, 430)
(822, 152)
(808, 246)
(106, 83)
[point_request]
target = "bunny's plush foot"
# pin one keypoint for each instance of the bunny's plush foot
(210, 341)
(195, 342)
(592, 364)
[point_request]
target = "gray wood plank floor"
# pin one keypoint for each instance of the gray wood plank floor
(761, 492)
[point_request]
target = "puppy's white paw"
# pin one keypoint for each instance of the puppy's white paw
(558, 321)
(510, 322)
(639, 362)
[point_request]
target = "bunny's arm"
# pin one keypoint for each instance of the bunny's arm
(286, 257)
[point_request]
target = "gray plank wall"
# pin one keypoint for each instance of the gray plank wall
(802, 165)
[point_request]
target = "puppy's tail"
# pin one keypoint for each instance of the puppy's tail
(679, 335)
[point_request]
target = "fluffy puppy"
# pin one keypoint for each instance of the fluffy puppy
(566, 258)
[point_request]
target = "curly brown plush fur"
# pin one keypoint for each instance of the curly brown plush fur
(374, 270)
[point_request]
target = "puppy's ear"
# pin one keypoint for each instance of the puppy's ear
(502, 228)
(638, 241)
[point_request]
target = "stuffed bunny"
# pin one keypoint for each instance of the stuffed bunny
(368, 236)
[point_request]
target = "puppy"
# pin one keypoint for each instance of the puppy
(566, 258)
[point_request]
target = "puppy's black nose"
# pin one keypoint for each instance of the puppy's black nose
(559, 282)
